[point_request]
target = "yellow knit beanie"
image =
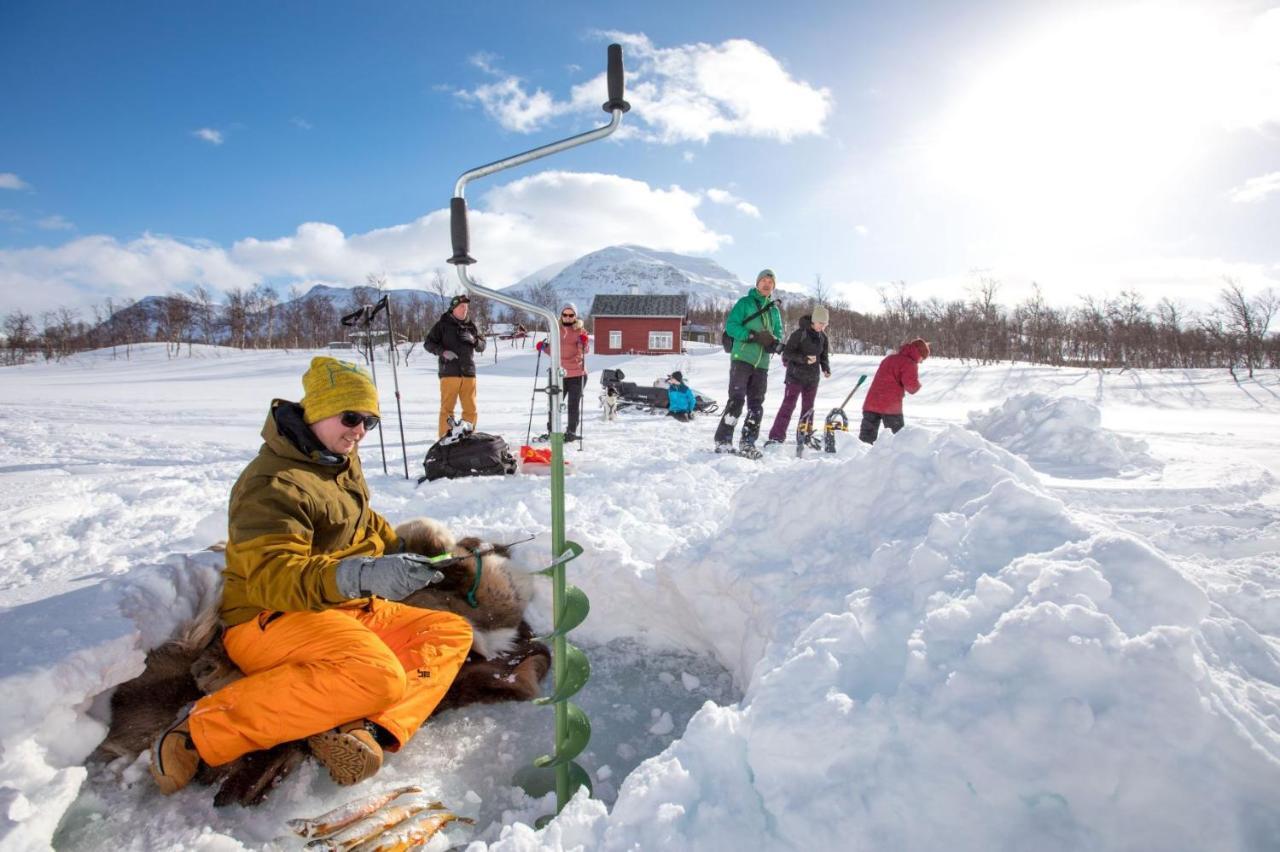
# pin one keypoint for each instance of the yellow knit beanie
(334, 386)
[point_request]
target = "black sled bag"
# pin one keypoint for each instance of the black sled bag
(474, 454)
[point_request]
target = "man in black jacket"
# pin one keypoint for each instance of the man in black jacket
(454, 340)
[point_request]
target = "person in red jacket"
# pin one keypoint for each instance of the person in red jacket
(574, 343)
(896, 377)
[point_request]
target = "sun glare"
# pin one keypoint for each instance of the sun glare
(1084, 120)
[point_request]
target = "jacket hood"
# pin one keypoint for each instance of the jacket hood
(287, 434)
(910, 350)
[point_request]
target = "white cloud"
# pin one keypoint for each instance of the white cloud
(507, 102)
(301, 123)
(10, 215)
(687, 156)
(515, 229)
(8, 180)
(1256, 188)
(55, 223)
(208, 134)
(720, 196)
(687, 93)
(861, 230)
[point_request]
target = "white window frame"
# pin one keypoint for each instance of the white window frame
(615, 338)
(661, 340)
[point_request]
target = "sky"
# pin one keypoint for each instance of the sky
(146, 148)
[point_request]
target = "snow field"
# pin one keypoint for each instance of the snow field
(929, 643)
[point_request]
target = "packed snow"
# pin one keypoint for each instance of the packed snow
(999, 636)
(1063, 434)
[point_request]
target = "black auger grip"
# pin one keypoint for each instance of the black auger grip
(615, 81)
(458, 231)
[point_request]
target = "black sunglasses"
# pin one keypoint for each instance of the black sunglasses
(352, 419)
(568, 314)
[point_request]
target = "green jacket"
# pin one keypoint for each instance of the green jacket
(295, 511)
(771, 320)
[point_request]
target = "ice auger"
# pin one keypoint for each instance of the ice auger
(569, 603)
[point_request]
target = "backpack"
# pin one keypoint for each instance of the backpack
(474, 454)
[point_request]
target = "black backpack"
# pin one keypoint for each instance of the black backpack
(474, 454)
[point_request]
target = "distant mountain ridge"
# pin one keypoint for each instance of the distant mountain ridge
(619, 270)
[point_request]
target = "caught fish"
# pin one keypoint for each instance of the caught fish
(368, 828)
(413, 835)
(342, 816)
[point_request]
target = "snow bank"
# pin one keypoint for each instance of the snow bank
(1061, 435)
(939, 654)
(61, 652)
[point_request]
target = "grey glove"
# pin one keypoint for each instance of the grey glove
(448, 355)
(392, 577)
(480, 344)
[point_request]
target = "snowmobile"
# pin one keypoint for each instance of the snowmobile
(649, 399)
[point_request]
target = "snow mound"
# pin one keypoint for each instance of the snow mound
(61, 652)
(951, 659)
(1061, 435)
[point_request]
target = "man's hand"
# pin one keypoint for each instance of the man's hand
(811, 359)
(762, 338)
(449, 355)
(392, 577)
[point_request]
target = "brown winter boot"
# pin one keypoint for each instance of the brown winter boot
(174, 759)
(350, 752)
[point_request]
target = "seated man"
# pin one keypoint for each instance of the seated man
(308, 601)
(680, 399)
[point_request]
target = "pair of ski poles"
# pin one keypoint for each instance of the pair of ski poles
(363, 317)
(537, 371)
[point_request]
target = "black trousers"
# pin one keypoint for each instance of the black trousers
(573, 400)
(871, 425)
(746, 384)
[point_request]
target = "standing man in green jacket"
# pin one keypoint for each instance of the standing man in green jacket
(755, 326)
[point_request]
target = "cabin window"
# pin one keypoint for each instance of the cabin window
(660, 340)
(615, 338)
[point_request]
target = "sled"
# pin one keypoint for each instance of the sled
(649, 399)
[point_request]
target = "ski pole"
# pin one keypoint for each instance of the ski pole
(385, 302)
(537, 368)
(569, 603)
(373, 369)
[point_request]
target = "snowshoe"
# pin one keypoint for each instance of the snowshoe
(725, 447)
(749, 451)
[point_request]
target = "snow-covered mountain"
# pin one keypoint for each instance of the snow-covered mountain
(627, 269)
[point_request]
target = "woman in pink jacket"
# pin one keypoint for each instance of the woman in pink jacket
(896, 377)
(573, 358)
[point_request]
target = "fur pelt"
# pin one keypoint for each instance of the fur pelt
(506, 663)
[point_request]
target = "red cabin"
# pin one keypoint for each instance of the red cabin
(638, 325)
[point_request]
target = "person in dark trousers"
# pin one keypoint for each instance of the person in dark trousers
(754, 341)
(454, 340)
(806, 355)
(896, 377)
(680, 398)
(573, 359)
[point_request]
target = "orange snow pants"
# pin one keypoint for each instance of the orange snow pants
(307, 672)
(452, 389)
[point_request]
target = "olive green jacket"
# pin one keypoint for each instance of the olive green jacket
(295, 511)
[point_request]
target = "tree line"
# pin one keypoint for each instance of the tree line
(246, 318)
(1102, 332)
